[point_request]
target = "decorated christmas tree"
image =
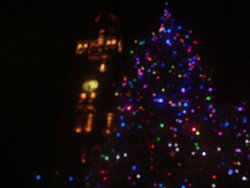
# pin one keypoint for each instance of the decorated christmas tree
(169, 132)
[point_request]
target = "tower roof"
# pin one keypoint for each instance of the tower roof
(106, 17)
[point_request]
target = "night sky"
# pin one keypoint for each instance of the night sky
(37, 42)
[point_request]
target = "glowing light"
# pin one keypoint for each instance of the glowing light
(183, 90)
(197, 133)
(208, 98)
(159, 100)
(83, 159)
(90, 85)
(168, 42)
(226, 124)
(244, 178)
(133, 168)
(83, 96)
(230, 172)
(238, 150)
(204, 154)
(78, 130)
(108, 42)
(245, 120)
(71, 178)
(213, 185)
(102, 68)
(138, 176)
(38, 177)
(110, 117)
(118, 135)
(218, 148)
(93, 95)
(240, 109)
(89, 123)
(113, 42)
(123, 124)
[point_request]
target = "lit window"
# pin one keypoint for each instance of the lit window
(102, 67)
(89, 124)
(119, 46)
(113, 42)
(85, 45)
(83, 96)
(79, 48)
(110, 117)
(93, 95)
(108, 42)
(78, 130)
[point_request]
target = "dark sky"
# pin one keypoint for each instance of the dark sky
(38, 49)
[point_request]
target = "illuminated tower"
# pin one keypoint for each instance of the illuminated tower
(100, 58)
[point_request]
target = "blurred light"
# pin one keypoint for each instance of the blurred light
(89, 124)
(110, 117)
(240, 109)
(159, 100)
(134, 168)
(71, 178)
(168, 41)
(113, 42)
(226, 124)
(102, 68)
(118, 135)
(238, 150)
(78, 130)
(244, 178)
(108, 42)
(230, 172)
(38, 177)
(85, 45)
(93, 95)
(90, 85)
(218, 148)
(83, 96)
(204, 153)
(213, 185)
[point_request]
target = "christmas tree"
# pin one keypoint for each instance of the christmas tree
(169, 132)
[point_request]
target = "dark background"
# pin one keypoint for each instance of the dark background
(37, 42)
